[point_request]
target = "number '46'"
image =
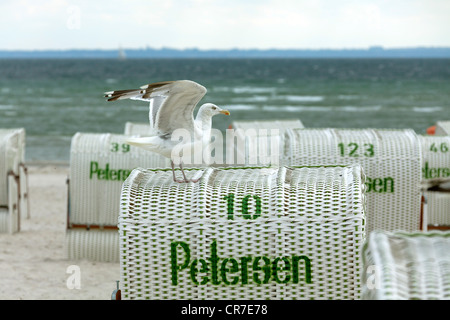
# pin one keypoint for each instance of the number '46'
(443, 147)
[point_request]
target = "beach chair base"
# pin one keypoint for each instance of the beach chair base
(93, 245)
(4, 220)
(9, 215)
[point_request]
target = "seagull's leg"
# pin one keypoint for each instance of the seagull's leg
(173, 173)
(182, 171)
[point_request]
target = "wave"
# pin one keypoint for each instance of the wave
(348, 97)
(251, 99)
(427, 109)
(294, 98)
(322, 108)
(240, 107)
(7, 107)
(239, 90)
(359, 109)
(296, 108)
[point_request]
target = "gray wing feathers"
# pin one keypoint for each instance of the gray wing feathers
(177, 109)
(172, 103)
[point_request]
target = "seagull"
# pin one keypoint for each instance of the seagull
(172, 105)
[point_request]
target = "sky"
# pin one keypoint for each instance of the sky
(223, 24)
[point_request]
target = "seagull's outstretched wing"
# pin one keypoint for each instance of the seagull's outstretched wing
(172, 103)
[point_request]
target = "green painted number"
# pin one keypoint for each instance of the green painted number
(116, 147)
(443, 147)
(244, 206)
(351, 150)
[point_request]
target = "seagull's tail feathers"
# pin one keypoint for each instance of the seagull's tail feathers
(149, 143)
(152, 144)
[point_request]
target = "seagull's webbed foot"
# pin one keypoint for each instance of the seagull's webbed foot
(186, 180)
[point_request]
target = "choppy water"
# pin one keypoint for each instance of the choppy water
(54, 99)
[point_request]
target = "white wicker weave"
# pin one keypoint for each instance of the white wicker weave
(263, 130)
(13, 186)
(436, 164)
(401, 266)
(94, 245)
(99, 164)
(442, 128)
(12, 154)
(391, 160)
(137, 128)
(221, 238)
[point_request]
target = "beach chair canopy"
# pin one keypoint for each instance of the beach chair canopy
(435, 167)
(243, 233)
(391, 160)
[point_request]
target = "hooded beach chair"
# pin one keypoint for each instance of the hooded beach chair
(137, 128)
(407, 266)
(391, 160)
(258, 142)
(14, 202)
(243, 233)
(435, 167)
(442, 128)
(99, 164)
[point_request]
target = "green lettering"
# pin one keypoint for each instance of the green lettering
(93, 168)
(287, 267)
(194, 271)
(295, 263)
(224, 270)
(173, 259)
(244, 272)
(378, 185)
(446, 172)
(265, 268)
(214, 261)
(389, 181)
(113, 175)
(430, 173)
(425, 171)
(433, 173)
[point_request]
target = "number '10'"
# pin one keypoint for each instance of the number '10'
(244, 207)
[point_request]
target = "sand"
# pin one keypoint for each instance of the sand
(33, 265)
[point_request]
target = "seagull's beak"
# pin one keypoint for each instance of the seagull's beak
(225, 112)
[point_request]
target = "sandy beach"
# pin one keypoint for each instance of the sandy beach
(32, 261)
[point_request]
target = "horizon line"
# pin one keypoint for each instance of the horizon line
(373, 47)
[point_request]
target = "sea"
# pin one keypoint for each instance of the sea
(55, 98)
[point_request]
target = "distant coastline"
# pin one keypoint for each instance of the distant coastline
(372, 52)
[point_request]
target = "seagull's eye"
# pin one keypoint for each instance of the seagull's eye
(214, 108)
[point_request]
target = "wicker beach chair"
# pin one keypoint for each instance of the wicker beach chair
(243, 233)
(436, 165)
(442, 128)
(391, 160)
(407, 266)
(99, 164)
(14, 201)
(254, 134)
(137, 128)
